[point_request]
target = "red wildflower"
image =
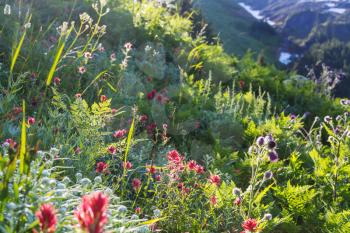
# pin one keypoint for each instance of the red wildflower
(250, 225)
(119, 133)
(157, 177)
(199, 169)
(192, 165)
(151, 94)
(47, 218)
(113, 110)
(241, 84)
(138, 210)
(127, 165)
(78, 95)
(101, 167)
(150, 128)
(92, 214)
(31, 120)
(143, 118)
(112, 150)
(237, 201)
(215, 179)
(103, 98)
(136, 184)
(151, 169)
(57, 81)
(213, 200)
(174, 156)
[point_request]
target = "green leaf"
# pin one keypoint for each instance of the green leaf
(128, 142)
(23, 140)
(54, 64)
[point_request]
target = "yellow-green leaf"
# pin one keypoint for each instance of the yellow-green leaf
(23, 140)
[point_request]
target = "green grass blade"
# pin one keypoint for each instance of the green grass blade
(54, 65)
(128, 142)
(23, 140)
(18, 49)
(95, 79)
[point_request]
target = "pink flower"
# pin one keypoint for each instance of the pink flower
(158, 178)
(174, 156)
(128, 46)
(87, 55)
(192, 165)
(102, 167)
(113, 57)
(78, 95)
(47, 218)
(199, 169)
(77, 150)
(213, 200)
(237, 201)
(143, 118)
(12, 144)
(57, 81)
(113, 110)
(31, 120)
(112, 150)
(250, 225)
(82, 69)
(138, 210)
(103, 98)
(119, 133)
(136, 184)
(215, 179)
(92, 214)
(127, 165)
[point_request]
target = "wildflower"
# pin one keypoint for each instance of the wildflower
(9, 142)
(150, 128)
(250, 225)
(7, 9)
(143, 118)
(138, 210)
(213, 200)
(236, 191)
(215, 179)
(151, 94)
(47, 218)
(271, 144)
(293, 116)
(241, 84)
(197, 124)
(151, 169)
(136, 184)
(268, 175)
(192, 165)
(199, 169)
(260, 141)
(113, 57)
(57, 81)
(103, 98)
(112, 150)
(113, 110)
(327, 119)
(78, 95)
(87, 55)
(100, 48)
(237, 201)
(77, 150)
(92, 214)
(127, 165)
(101, 167)
(82, 69)
(31, 120)
(119, 133)
(174, 156)
(273, 156)
(128, 46)
(268, 216)
(157, 178)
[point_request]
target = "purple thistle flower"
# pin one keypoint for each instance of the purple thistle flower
(260, 141)
(268, 175)
(273, 156)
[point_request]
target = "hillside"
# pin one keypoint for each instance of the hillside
(238, 30)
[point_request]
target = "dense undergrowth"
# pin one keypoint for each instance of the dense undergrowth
(119, 116)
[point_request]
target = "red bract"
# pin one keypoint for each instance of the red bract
(157, 177)
(92, 214)
(215, 179)
(47, 218)
(102, 167)
(57, 81)
(213, 200)
(143, 118)
(174, 156)
(192, 165)
(199, 169)
(119, 133)
(103, 98)
(31, 120)
(151, 169)
(151, 94)
(112, 150)
(136, 184)
(250, 225)
(127, 165)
